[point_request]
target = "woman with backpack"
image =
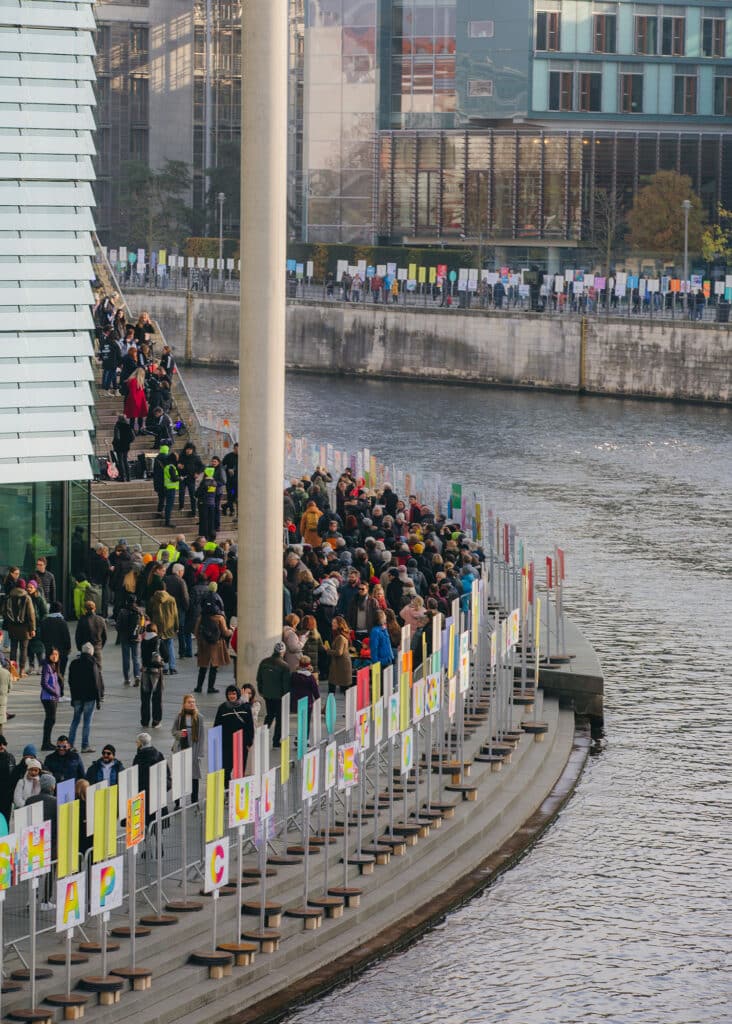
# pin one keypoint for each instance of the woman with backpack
(211, 632)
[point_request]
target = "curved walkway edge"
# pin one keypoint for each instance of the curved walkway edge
(419, 920)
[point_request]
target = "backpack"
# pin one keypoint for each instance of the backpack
(209, 629)
(16, 610)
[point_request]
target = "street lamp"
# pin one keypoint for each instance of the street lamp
(221, 197)
(686, 206)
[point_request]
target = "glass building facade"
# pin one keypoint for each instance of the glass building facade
(531, 184)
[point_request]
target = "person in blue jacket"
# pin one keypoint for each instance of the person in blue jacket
(379, 642)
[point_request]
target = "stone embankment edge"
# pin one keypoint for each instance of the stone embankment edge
(413, 925)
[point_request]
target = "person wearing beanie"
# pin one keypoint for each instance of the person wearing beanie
(30, 784)
(87, 693)
(106, 768)
(273, 682)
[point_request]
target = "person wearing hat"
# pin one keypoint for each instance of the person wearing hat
(20, 621)
(87, 693)
(30, 784)
(273, 682)
(106, 768)
(234, 715)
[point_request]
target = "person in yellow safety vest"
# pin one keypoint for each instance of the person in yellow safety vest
(172, 550)
(171, 482)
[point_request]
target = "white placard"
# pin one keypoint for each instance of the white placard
(70, 901)
(128, 787)
(158, 791)
(181, 769)
(106, 886)
(90, 805)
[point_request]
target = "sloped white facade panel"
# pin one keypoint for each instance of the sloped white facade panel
(46, 200)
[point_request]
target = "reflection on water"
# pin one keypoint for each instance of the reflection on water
(621, 912)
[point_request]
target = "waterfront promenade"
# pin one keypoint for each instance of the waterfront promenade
(445, 866)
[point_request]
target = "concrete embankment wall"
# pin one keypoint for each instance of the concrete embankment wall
(617, 356)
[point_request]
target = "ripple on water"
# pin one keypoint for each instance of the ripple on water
(629, 920)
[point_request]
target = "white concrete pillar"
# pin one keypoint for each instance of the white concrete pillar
(262, 329)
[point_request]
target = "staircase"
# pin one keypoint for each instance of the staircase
(129, 510)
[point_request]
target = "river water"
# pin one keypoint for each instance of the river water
(621, 913)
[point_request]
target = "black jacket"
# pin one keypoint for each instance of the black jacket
(145, 758)
(54, 632)
(190, 464)
(123, 436)
(91, 628)
(85, 680)
(232, 718)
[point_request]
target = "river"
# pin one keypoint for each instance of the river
(620, 913)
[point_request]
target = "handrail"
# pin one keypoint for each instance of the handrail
(117, 514)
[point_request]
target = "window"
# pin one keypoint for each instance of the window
(685, 94)
(138, 144)
(673, 37)
(138, 41)
(480, 29)
(560, 90)
(603, 33)
(723, 96)
(548, 30)
(631, 94)
(480, 87)
(138, 99)
(590, 91)
(646, 35)
(713, 37)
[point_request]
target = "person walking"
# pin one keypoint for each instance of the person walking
(176, 587)
(213, 651)
(51, 694)
(273, 682)
(189, 732)
(151, 693)
(87, 693)
(91, 629)
(130, 622)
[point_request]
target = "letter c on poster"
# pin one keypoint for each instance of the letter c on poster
(217, 864)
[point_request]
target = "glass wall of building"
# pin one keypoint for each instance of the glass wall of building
(50, 518)
(529, 183)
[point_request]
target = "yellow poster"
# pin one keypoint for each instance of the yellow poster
(284, 759)
(433, 275)
(214, 805)
(412, 272)
(422, 275)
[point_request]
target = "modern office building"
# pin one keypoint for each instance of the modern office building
(434, 121)
(46, 174)
(169, 81)
(500, 123)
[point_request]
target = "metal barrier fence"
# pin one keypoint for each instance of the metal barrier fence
(653, 306)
